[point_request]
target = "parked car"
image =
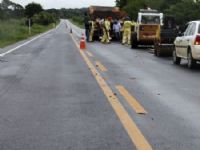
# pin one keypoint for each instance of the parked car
(187, 45)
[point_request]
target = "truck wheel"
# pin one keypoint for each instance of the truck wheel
(155, 52)
(134, 43)
(176, 60)
(158, 51)
(191, 61)
(155, 49)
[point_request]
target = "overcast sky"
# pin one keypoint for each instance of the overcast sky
(67, 3)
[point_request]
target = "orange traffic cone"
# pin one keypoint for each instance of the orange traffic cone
(82, 42)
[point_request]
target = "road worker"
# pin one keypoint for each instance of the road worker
(87, 26)
(92, 29)
(117, 30)
(158, 32)
(110, 23)
(106, 29)
(127, 31)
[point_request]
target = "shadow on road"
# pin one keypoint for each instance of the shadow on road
(195, 69)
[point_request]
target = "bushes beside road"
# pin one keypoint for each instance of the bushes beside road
(13, 30)
(14, 21)
(77, 20)
(74, 15)
(44, 18)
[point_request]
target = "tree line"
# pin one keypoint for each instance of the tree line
(10, 9)
(33, 11)
(182, 10)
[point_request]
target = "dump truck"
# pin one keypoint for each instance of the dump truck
(164, 43)
(101, 12)
(147, 27)
(104, 12)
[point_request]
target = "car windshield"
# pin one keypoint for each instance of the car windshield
(150, 19)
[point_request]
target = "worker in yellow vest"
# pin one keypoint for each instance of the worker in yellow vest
(92, 29)
(127, 31)
(158, 32)
(106, 30)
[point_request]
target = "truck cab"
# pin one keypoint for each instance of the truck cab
(148, 24)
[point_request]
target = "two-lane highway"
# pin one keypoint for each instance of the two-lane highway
(50, 101)
(168, 92)
(54, 96)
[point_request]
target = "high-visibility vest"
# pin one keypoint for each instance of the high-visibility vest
(128, 25)
(92, 24)
(107, 25)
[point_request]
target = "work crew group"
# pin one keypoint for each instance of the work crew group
(107, 29)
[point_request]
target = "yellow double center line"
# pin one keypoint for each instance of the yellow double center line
(131, 100)
(89, 54)
(134, 133)
(101, 66)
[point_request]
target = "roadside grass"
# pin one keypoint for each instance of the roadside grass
(77, 22)
(12, 31)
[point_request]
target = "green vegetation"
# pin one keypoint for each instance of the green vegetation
(32, 9)
(182, 10)
(9, 9)
(185, 11)
(74, 15)
(77, 21)
(14, 21)
(44, 18)
(12, 31)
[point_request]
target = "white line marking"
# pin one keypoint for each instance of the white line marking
(12, 50)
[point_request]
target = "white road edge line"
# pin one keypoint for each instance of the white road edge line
(12, 50)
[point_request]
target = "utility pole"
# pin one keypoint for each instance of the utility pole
(29, 26)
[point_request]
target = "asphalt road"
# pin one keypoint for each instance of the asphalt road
(56, 97)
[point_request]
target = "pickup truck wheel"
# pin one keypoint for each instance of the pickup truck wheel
(176, 60)
(191, 61)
